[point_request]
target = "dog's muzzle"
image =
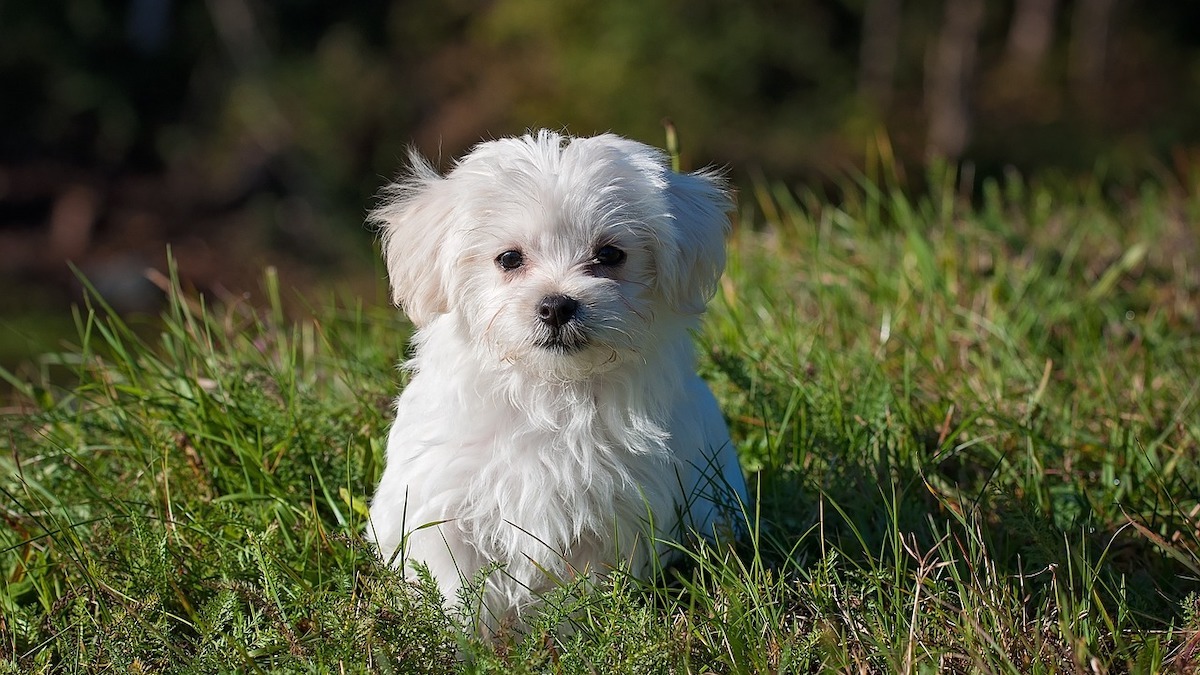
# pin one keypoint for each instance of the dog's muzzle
(559, 315)
(557, 310)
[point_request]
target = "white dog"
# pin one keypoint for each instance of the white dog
(554, 424)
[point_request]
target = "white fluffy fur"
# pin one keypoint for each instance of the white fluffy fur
(551, 462)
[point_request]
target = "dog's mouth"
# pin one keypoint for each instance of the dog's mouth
(567, 339)
(561, 345)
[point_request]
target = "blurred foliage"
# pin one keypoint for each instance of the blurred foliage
(301, 109)
(771, 77)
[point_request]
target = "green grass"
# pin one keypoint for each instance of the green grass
(973, 434)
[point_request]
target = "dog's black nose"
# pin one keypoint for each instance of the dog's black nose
(556, 310)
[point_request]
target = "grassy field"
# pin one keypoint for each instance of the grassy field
(973, 434)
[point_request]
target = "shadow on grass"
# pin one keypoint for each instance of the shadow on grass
(869, 472)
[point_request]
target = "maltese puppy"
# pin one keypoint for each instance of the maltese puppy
(554, 424)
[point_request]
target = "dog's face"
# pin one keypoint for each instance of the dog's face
(556, 255)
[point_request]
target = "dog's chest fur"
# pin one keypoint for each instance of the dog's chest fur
(562, 464)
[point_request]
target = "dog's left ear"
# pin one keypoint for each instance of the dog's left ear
(691, 261)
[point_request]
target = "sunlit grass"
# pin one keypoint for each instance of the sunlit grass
(972, 433)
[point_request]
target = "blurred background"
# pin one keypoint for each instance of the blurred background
(245, 133)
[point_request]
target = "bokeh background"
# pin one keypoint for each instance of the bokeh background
(245, 133)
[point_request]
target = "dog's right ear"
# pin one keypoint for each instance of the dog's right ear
(415, 219)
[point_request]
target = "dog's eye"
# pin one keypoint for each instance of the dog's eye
(609, 256)
(510, 260)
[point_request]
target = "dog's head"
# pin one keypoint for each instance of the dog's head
(552, 252)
